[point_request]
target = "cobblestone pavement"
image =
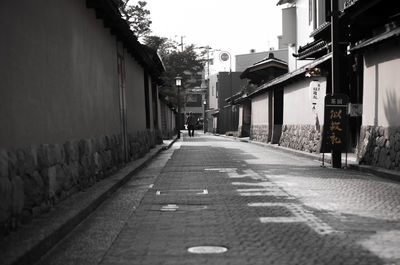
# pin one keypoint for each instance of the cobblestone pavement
(264, 206)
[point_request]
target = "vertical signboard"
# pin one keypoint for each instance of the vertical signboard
(334, 136)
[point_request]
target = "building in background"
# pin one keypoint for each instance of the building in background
(245, 60)
(260, 111)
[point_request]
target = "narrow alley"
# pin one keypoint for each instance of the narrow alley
(214, 200)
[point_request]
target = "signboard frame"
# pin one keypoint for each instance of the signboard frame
(335, 132)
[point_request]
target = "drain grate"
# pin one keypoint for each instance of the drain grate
(207, 250)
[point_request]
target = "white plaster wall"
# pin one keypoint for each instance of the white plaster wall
(381, 98)
(297, 106)
(259, 110)
(240, 115)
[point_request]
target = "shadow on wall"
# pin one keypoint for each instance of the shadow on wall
(392, 108)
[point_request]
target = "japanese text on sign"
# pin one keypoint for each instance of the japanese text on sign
(335, 123)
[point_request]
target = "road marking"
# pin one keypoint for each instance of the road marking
(207, 250)
(262, 184)
(170, 208)
(301, 215)
(265, 193)
(221, 170)
(267, 189)
(248, 173)
(187, 191)
(205, 191)
(294, 219)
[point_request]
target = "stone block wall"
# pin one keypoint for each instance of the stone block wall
(379, 146)
(259, 133)
(300, 137)
(168, 134)
(35, 178)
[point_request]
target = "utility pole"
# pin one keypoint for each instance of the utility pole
(182, 43)
(336, 155)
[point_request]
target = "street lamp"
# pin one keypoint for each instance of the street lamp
(178, 83)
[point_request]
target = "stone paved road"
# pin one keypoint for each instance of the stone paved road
(263, 205)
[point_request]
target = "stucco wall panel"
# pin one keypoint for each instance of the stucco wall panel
(297, 106)
(259, 110)
(381, 102)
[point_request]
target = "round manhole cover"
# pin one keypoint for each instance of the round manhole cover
(207, 249)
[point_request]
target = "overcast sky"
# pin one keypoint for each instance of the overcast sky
(232, 25)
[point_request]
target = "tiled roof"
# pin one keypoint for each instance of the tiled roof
(377, 39)
(283, 78)
(281, 2)
(311, 49)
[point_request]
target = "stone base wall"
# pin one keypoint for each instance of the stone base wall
(35, 178)
(167, 135)
(300, 137)
(379, 146)
(259, 133)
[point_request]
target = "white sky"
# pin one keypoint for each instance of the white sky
(235, 26)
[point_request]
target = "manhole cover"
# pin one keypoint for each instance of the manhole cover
(207, 250)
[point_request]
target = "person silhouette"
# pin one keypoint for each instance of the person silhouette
(191, 123)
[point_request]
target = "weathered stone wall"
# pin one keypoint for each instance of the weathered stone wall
(380, 146)
(259, 133)
(35, 178)
(300, 137)
(168, 134)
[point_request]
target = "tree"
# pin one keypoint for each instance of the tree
(187, 64)
(137, 16)
(162, 45)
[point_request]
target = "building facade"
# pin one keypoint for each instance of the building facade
(79, 98)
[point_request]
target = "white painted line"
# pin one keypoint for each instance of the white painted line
(207, 250)
(300, 214)
(170, 208)
(265, 193)
(267, 189)
(262, 184)
(294, 219)
(269, 204)
(221, 170)
(203, 192)
(248, 173)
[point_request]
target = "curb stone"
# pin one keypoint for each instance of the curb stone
(26, 245)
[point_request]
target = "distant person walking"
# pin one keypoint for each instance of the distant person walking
(191, 123)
